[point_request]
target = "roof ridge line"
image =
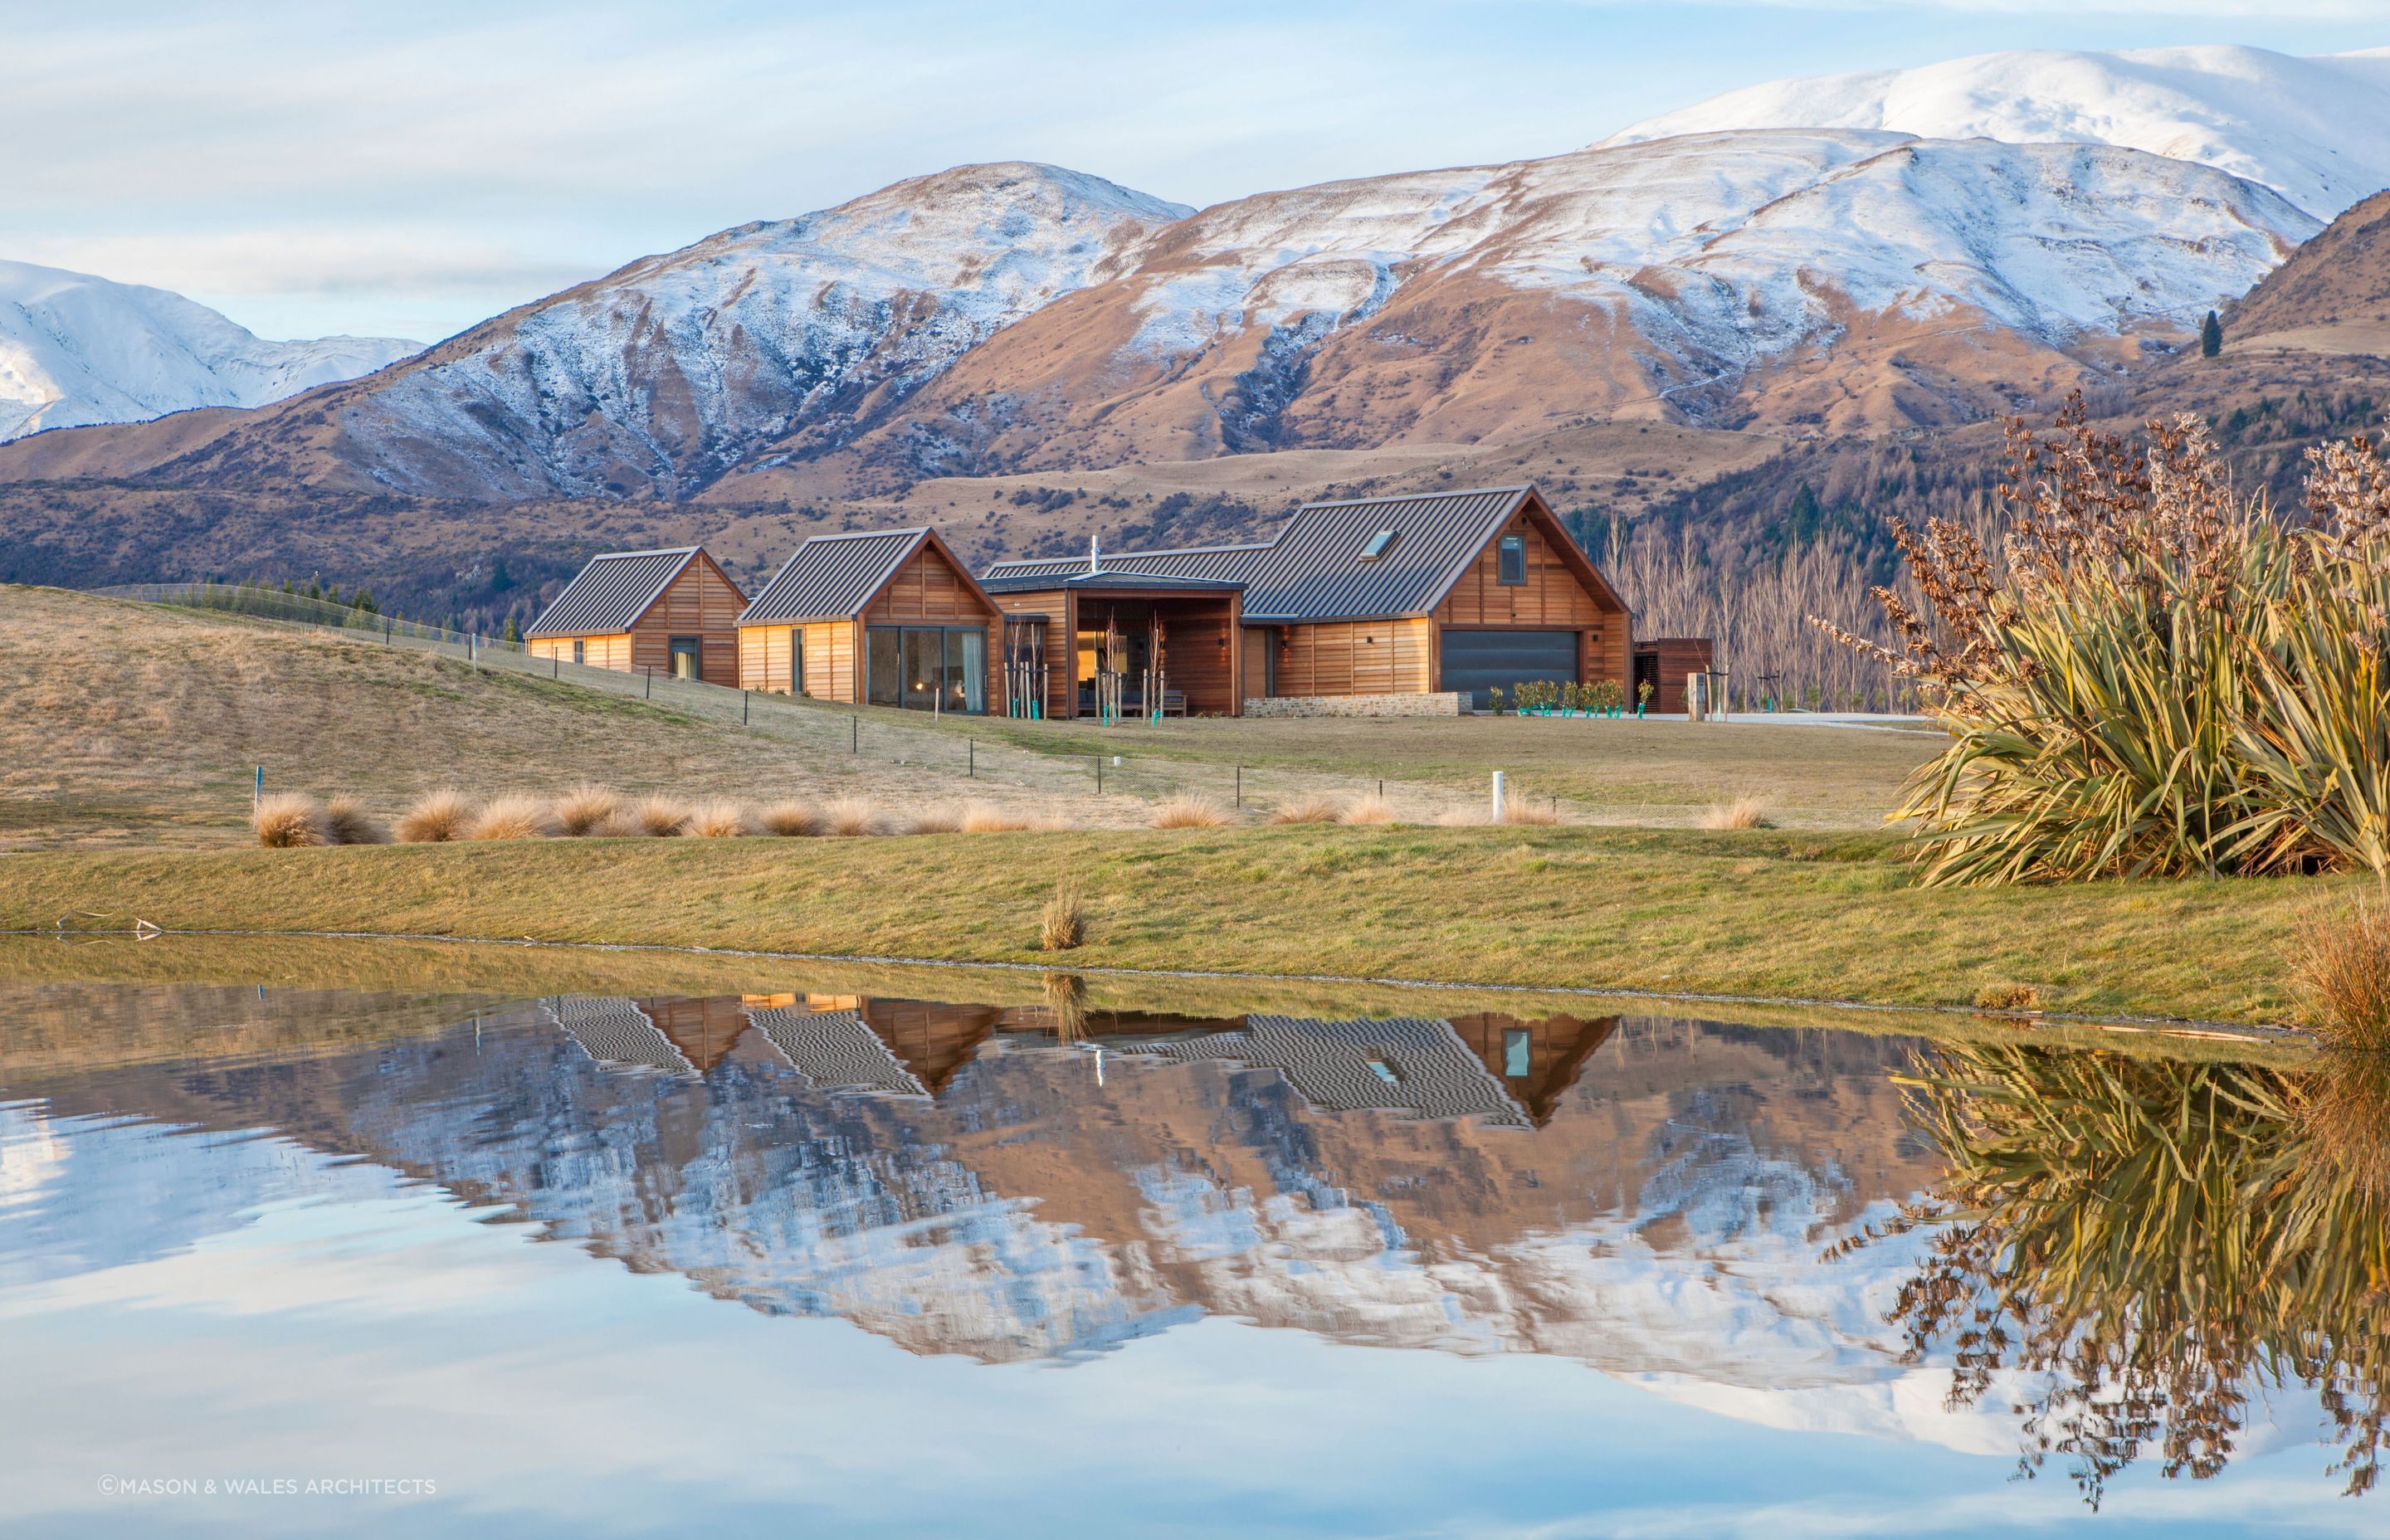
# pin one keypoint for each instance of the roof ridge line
(1420, 496)
(658, 550)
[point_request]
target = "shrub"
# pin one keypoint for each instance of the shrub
(513, 817)
(1063, 925)
(289, 821)
(352, 825)
(719, 819)
(2341, 975)
(2165, 679)
(661, 816)
(1372, 809)
(1188, 810)
(791, 820)
(853, 817)
(1307, 810)
(1745, 812)
(437, 817)
(585, 809)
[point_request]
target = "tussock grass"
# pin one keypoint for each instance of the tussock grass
(937, 820)
(1063, 925)
(2341, 973)
(853, 818)
(720, 818)
(290, 820)
(1518, 810)
(513, 817)
(352, 825)
(988, 819)
(1187, 810)
(791, 820)
(1369, 809)
(2008, 997)
(1307, 810)
(587, 809)
(1748, 811)
(437, 817)
(619, 825)
(664, 818)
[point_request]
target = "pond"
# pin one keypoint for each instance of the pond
(301, 1239)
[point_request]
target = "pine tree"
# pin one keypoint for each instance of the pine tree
(512, 634)
(2211, 336)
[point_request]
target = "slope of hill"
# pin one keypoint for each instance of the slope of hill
(2332, 296)
(1016, 317)
(76, 350)
(2315, 130)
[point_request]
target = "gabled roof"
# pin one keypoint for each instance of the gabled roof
(832, 577)
(613, 592)
(1314, 569)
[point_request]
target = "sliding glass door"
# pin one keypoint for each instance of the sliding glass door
(927, 668)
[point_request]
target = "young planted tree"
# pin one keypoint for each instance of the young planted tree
(2211, 336)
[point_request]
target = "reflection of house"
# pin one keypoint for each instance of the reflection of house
(1506, 1070)
(618, 1033)
(1435, 593)
(890, 617)
(670, 611)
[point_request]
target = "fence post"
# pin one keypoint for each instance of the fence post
(257, 792)
(854, 738)
(742, 707)
(970, 766)
(650, 673)
(1099, 775)
(1498, 796)
(556, 665)
(1241, 787)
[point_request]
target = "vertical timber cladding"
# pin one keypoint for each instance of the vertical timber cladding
(1392, 656)
(613, 652)
(701, 602)
(1054, 605)
(926, 589)
(1551, 600)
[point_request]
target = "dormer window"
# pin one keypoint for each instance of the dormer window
(1511, 571)
(1380, 543)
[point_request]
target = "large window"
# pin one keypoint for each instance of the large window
(1514, 562)
(929, 668)
(685, 660)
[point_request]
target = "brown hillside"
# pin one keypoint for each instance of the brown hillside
(2332, 296)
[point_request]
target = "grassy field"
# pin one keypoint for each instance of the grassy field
(1780, 915)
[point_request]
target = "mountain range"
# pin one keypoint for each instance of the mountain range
(1849, 258)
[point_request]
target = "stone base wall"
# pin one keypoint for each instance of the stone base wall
(1448, 703)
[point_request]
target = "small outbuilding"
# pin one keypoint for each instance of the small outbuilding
(885, 617)
(671, 612)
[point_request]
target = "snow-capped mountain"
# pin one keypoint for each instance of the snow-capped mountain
(1018, 316)
(2315, 130)
(76, 349)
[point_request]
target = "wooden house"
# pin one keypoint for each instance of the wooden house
(672, 611)
(1410, 604)
(1664, 662)
(888, 617)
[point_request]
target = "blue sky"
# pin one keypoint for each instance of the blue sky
(317, 167)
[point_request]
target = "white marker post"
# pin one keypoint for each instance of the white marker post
(1498, 796)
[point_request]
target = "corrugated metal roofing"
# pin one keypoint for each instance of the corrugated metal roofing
(1314, 571)
(832, 576)
(1083, 581)
(611, 592)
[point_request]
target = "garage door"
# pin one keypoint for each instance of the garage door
(1475, 659)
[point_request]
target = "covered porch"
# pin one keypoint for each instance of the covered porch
(1136, 644)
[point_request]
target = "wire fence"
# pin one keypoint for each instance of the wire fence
(949, 759)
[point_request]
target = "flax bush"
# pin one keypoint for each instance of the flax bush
(2157, 677)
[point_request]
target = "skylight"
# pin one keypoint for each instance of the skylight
(1378, 545)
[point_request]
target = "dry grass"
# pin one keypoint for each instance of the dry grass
(1748, 811)
(513, 817)
(352, 825)
(1063, 925)
(720, 818)
(1307, 810)
(1188, 810)
(2340, 973)
(290, 820)
(937, 820)
(1521, 810)
(988, 818)
(587, 809)
(1369, 809)
(853, 818)
(619, 825)
(791, 820)
(2009, 998)
(662, 816)
(437, 817)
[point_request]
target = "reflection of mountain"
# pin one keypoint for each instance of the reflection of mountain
(1646, 1196)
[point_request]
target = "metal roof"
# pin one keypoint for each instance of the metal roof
(832, 576)
(1313, 568)
(1082, 580)
(611, 592)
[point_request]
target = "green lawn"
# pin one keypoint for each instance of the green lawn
(1756, 913)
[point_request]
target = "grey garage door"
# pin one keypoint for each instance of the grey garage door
(1475, 659)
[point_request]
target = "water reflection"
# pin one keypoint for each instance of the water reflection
(2134, 1248)
(1763, 1232)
